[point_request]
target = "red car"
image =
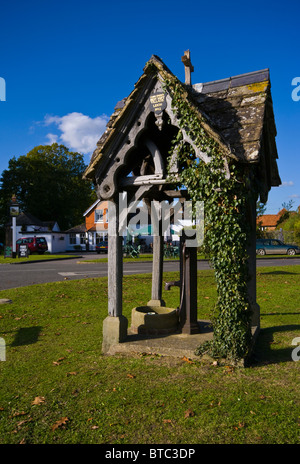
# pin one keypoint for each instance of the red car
(34, 244)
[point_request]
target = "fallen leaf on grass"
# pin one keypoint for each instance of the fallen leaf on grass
(187, 360)
(72, 373)
(57, 363)
(131, 376)
(60, 423)
(19, 424)
(240, 426)
(229, 369)
(189, 413)
(19, 413)
(38, 400)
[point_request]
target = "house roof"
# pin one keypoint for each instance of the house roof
(27, 219)
(91, 207)
(237, 112)
(77, 229)
(270, 220)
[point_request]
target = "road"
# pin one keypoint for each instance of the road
(20, 275)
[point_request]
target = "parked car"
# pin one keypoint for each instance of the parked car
(34, 244)
(272, 247)
(102, 247)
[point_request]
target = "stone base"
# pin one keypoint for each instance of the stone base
(178, 345)
(154, 320)
(114, 331)
(156, 303)
(174, 345)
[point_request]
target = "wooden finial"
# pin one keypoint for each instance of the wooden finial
(188, 67)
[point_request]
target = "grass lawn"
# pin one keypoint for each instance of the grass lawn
(34, 257)
(57, 387)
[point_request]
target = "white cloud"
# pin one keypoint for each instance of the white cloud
(294, 196)
(289, 183)
(78, 131)
(52, 138)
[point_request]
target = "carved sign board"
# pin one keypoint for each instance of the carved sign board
(23, 251)
(158, 102)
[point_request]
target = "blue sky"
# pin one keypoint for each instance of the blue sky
(67, 63)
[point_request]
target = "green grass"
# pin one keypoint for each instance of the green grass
(128, 259)
(34, 257)
(53, 338)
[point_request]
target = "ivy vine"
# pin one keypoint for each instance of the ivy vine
(226, 226)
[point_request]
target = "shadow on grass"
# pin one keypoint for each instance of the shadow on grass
(27, 336)
(279, 273)
(264, 353)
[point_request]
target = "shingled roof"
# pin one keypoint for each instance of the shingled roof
(237, 111)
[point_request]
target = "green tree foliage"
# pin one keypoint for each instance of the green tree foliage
(48, 184)
(292, 223)
(260, 211)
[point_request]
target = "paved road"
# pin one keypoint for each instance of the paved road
(20, 275)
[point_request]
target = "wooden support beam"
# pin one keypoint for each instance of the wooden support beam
(115, 262)
(158, 256)
(188, 311)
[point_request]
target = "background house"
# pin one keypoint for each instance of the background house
(85, 236)
(269, 221)
(28, 225)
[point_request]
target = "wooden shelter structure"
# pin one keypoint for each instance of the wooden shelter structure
(132, 157)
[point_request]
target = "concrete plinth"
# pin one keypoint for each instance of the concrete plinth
(114, 331)
(177, 345)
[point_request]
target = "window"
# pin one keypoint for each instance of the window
(72, 239)
(99, 237)
(99, 215)
(82, 238)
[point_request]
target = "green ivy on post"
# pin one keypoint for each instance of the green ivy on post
(225, 200)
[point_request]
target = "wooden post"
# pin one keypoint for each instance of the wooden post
(188, 67)
(188, 314)
(115, 262)
(158, 256)
(115, 325)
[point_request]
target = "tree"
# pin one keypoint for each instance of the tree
(48, 184)
(260, 208)
(260, 211)
(288, 206)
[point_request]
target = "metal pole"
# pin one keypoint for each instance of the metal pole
(14, 236)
